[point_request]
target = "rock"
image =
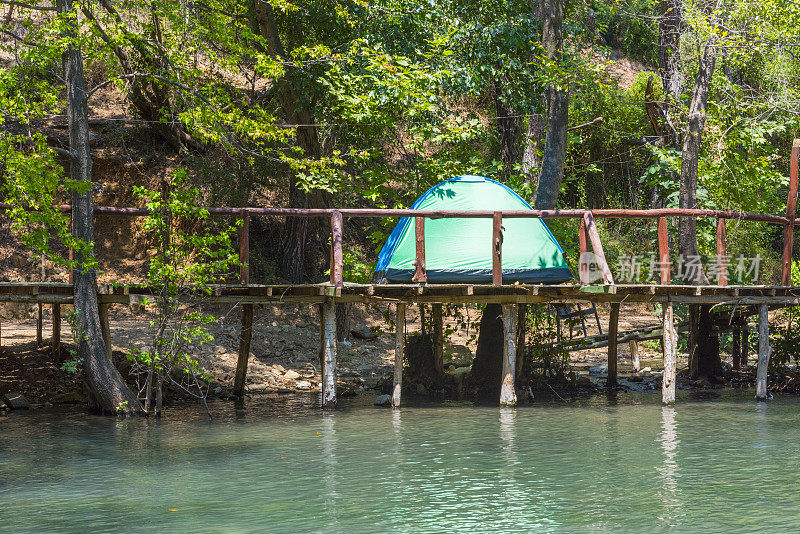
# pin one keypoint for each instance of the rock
(383, 400)
(303, 384)
(421, 389)
(646, 370)
(584, 382)
(218, 390)
(291, 375)
(363, 332)
(16, 401)
(270, 380)
(599, 369)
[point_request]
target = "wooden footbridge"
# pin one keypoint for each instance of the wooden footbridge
(326, 295)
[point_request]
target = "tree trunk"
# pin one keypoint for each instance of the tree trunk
(669, 43)
(508, 126)
(488, 364)
(555, 144)
(299, 230)
(704, 355)
(533, 143)
(108, 388)
(687, 226)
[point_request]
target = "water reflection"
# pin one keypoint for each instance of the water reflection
(329, 468)
(670, 492)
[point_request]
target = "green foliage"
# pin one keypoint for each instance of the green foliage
(630, 25)
(544, 362)
(182, 273)
(785, 340)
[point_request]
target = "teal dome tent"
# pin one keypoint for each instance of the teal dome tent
(460, 250)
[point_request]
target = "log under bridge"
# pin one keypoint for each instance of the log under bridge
(326, 295)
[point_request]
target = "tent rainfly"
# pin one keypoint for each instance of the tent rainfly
(460, 250)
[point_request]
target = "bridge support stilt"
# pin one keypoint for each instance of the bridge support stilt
(56, 341)
(329, 354)
(613, 328)
(39, 327)
(764, 351)
(399, 351)
(670, 344)
(508, 397)
(635, 364)
(246, 335)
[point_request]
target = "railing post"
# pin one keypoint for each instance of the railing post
(244, 249)
(337, 262)
(663, 251)
(791, 205)
(722, 258)
(246, 332)
(497, 248)
(597, 247)
(583, 267)
(420, 275)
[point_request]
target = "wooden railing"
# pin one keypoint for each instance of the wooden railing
(588, 233)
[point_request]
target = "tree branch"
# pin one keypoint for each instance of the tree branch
(134, 75)
(13, 3)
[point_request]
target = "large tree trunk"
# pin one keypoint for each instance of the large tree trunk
(703, 345)
(669, 43)
(508, 126)
(487, 367)
(533, 143)
(687, 226)
(299, 231)
(555, 144)
(109, 390)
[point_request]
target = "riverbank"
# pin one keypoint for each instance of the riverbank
(284, 360)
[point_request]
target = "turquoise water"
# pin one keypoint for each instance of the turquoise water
(625, 464)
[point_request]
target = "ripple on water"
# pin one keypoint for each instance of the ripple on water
(282, 465)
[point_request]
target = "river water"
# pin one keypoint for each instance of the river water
(719, 464)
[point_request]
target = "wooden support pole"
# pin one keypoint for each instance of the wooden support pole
(722, 256)
(329, 354)
(399, 352)
(613, 328)
(791, 206)
(583, 265)
(337, 257)
(736, 348)
(56, 341)
(508, 396)
(438, 338)
(663, 251)
(245, 336)
(522, 314)
(497, 249)
(39, 327)
(670, 344)
(105, 325)
(244, 249)
(420, 276)
(745, 345)
(597, 247)
(763, 353)
(635, 364)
